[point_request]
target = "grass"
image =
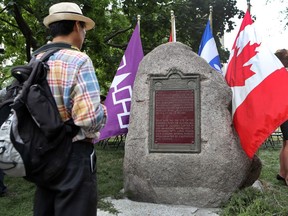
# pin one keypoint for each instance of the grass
(110, 175)
(19, 200)
(273, 201)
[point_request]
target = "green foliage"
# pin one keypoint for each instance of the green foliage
(248, 202)
(109, 176)
(240, 201)
(22, 30)
(5, 76)
(107, 206)
(251, 201)
(110, 171)
(19, 201)
(191, 19)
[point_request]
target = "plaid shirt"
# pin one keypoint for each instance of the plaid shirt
(75, 88)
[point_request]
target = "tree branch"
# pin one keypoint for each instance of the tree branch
(3, 10)
(28, 9)
(116, 33)
(26, 31)
(117, 45)
(11, 24)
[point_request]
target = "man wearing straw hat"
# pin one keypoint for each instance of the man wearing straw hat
(74, 85)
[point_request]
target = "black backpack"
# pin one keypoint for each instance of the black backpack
(34, 141)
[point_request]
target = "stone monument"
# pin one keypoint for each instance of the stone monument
(181, 147)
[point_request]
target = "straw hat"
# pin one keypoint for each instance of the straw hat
(67, 11)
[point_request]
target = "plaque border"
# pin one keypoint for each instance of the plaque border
(158, 82)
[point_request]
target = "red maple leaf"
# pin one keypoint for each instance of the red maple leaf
(237, 73)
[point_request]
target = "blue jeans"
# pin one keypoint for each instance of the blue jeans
(2, 186)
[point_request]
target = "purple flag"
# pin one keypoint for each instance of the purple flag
(118, 100)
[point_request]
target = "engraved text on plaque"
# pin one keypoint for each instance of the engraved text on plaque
(174, 109)
(174, 117)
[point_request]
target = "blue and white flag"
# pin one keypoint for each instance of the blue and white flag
(208, 49)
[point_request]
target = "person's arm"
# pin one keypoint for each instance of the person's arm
(87, 111)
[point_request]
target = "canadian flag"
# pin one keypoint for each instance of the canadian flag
(259, 84)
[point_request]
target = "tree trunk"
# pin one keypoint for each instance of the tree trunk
(26, 31)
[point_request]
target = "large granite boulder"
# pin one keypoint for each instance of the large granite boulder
(203, 179)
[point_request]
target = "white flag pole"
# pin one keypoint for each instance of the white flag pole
(138, 20)
(210, 17)
(173, 26)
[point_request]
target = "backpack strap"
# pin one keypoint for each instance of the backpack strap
(36, 64)
(37, 70)
(71, 128)
(53, 46)
(48, 53)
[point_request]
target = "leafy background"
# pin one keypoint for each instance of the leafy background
(22, 30)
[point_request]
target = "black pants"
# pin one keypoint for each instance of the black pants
(74, 193)
(2, 186)
(284, 130)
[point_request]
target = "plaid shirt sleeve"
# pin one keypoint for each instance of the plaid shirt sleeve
(76, 91)
(87, 112)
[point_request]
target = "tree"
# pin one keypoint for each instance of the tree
(191, 18)
(22, 30)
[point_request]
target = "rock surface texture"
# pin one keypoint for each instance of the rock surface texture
(205, 179)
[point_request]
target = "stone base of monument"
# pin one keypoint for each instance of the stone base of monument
(181, 147)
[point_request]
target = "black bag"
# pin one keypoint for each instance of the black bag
(35, 129)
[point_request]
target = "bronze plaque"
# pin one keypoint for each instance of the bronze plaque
(174, 113)
(174, 117)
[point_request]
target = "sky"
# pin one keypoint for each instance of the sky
(268, 21)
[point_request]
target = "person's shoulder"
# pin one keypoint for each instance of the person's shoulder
(74, 54)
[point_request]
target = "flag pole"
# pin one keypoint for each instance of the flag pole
(248, 6)
(210, 16)
(138, 20)
(118, 121)
(173, 26)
